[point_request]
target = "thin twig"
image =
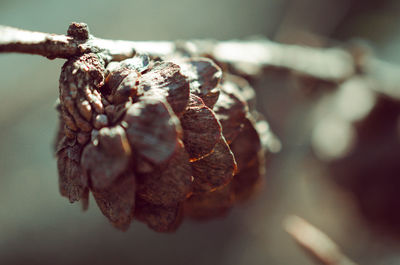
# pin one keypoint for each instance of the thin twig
(63, 46)
(48, 45)
(315, 243)
(251, 57)
(328, 64)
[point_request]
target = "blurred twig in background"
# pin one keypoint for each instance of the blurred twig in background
(315, 243)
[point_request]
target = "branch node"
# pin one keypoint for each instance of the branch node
(79, 31)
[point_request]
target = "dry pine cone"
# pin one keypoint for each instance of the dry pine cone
(157, 140)
(358, 141)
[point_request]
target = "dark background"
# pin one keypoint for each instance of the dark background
(38, 226)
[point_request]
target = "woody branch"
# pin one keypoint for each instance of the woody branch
(328, 64)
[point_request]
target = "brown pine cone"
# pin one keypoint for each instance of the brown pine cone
(157, 141)
(358, 139)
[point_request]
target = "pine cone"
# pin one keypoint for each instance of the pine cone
(363, 126)
(155, 140)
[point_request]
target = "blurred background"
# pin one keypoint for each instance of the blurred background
(38, 226)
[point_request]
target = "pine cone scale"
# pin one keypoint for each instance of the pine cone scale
(201, 129)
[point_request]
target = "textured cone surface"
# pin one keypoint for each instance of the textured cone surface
(210, 205)
(159, 218)
(248, 181)
(214, 170)
(246, 146)
(117, 202)
(204, 76)
(201, 129)
(107, 160)
(165, 78)
(168, 184)
(72, 183)
(231, 112)
(152, 129)
(156, 140)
